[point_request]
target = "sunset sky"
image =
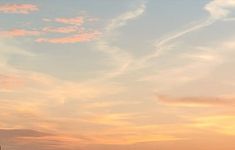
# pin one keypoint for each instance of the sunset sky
(117, 74)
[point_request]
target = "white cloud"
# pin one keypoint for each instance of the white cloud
(198, 64)
(125, 17)
(120, 57)
(220, 8)
(162, 45)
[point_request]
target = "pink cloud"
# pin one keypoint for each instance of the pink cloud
(18, 8)
(68, 29)
(196, 101)
(8, 82)
(83, 37)
(72, 21)
(19, 33)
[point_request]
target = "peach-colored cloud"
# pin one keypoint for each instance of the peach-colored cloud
(21, 133)
(72, 21)
(18, 8)
(223, 124)
(196, 101)
(83, 37)
(68, 29)
(30, 138)
(9, 82)
(19, 33)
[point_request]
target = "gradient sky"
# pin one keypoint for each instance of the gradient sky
(117, 74)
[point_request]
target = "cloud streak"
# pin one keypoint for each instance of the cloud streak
(196, 101)
(218, 10)
(19, 33)
(9, 82)
(82, 37)
(125, 17)
(72, 21)
(122, 59)
(67, 29)
(18, 8)
(15, 133)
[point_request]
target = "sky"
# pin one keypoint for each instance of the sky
(117, 74)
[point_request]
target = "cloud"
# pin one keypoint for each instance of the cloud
(43, 104)
(26, 139)
(125, 17)
(120, 57)
(19, 33)
(9, 82)
(75, 26)
(82, 37)
(196, 101)
(223, 124)
(220, 8)
(16, 133)
(217, 9)
(197, 64)
(72, 21)
(163, 44)
(18, 8)
(200, 71)
(229, 19)
(68, 29)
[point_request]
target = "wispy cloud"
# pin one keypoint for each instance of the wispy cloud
(220, 8)
(27, 139)
(82, 37)
(196, 101)
(67, 29)
(75, 30)
(223, 124)
(125, 17)
(217, 9)
(19, 33)
(115, 107)
(200, 63)
(72, 21)
(162, 45)
(15, 133)
(8, 82)
(18, 8)
(122, 59)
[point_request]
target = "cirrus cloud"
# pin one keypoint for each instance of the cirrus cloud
(83, 37)
(196, 101)
(18, 8)
(8, 82)
(68, 29)
(219, 8)
(19, 33)
(72, 21)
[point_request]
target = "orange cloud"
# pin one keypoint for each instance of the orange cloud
(83, 37)
(67, 29)
(72, 21)
(19, 33)
(196, 101)
(29, 138)
(223, 124)
(9, 82)
(18, 8)
(13, 133)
